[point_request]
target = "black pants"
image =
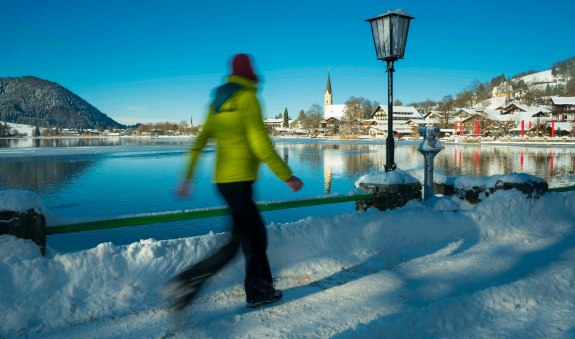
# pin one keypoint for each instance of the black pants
(249, 232)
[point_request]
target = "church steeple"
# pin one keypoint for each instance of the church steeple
(328, 94)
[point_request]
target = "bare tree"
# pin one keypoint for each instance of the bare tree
(313, 117)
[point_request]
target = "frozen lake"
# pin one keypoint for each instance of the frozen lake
(101, 178)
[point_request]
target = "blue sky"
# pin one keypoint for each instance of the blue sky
(146, 61)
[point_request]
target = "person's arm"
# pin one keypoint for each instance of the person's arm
(183, 188)
(262, 146)
(259, 141)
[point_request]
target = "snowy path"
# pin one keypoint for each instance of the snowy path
(503, 268)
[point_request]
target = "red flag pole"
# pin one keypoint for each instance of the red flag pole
(552, 128)
(522, 128)
(476, 128)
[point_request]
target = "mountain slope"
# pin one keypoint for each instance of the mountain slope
(33, 101)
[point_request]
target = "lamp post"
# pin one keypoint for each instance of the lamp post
(389, 32)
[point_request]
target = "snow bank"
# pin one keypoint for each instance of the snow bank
(386, 178)
(439, 268)
(20, 201)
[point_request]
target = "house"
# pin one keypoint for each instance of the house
(377, 131)
(502, 91)
(400, 113)
(480, 124)
(563, 108)
(530, 115)
(273, 123)
(405, 118)
(330, 124)
(464, 113)
(564, 128)
(433, 118)
(277, 125)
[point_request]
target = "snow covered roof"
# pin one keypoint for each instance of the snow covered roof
(564, 126)
(528, 110)
(470, 111)
(494, 103)
(334, 111)
(401, 111)
(494, 114)
(563, 100)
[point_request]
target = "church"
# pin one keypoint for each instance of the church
(329, 109)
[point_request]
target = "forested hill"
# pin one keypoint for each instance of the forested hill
(36, 102)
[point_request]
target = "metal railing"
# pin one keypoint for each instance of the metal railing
(162, 217)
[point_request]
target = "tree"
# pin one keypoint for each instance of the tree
(464, 99)
(354, 108)
(313, 117)
(285, 123)
(354, 113)
(498, 80)
(360, 108)
(445, 108)
(4, 129)
(183, 127)
(570, 88)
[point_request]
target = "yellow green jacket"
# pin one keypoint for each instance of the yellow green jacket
(235, 121)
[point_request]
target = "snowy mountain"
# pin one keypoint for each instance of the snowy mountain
(37, 102)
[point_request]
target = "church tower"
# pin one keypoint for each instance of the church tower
(328, 95)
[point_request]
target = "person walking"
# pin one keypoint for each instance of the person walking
(235, 121)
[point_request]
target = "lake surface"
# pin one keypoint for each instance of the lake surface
(102, 178)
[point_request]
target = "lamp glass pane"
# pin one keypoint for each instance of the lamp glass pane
(400, 29)
(386, 36)
(375, 31)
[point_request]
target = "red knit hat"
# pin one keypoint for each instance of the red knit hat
(242, 66)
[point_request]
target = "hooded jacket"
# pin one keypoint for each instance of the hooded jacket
(242, 143)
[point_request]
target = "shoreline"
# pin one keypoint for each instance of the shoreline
(545, 141)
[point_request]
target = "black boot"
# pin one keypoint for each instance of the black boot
(272, 297)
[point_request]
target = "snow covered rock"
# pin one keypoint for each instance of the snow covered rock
(22, 215)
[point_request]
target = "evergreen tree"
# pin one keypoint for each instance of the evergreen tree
(286, 119)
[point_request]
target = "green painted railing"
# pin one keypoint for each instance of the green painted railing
(562, 189)
(147, 219)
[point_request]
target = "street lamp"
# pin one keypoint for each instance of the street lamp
(389, 37)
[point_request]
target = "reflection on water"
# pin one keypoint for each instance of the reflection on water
(141, 179)
(551, 164)
(40, 174)
(555, 164)
(86, 142)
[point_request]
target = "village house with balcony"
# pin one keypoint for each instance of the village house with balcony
(563, 108)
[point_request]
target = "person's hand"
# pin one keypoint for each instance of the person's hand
(294, 183)
(184, 189)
